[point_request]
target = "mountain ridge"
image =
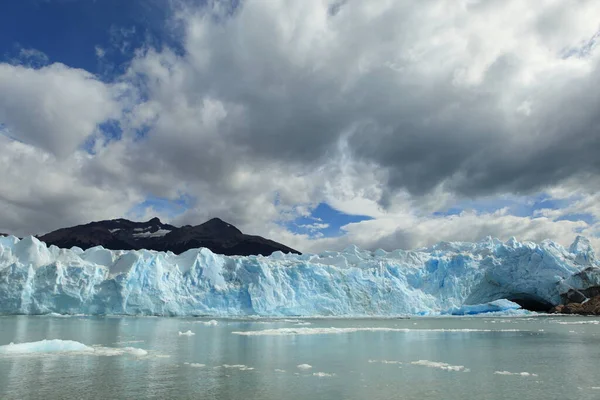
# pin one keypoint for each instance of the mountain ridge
(122, 234)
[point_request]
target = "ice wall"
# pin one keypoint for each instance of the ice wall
(36, 279)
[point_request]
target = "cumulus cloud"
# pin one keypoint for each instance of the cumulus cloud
(392, 110)
(55, 107)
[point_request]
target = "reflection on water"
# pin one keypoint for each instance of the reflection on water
(420, 358)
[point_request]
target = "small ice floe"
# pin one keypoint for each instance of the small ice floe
(240, 367)
(323, 374)
(130, 350)
(593, 322)
(130, 342)
(385, 362)
(57, 315)
(57, 346)
(514, 373)
(337, 331)
(279, 370)
(440, 365)
(212, 322)
(188, 333)
(46, 346)
(304, 366)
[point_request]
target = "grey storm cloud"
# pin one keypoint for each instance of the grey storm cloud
(293, 83)
(381, 105)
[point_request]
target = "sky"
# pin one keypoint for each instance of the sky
(316, 123)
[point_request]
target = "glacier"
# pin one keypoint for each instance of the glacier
(449, 277)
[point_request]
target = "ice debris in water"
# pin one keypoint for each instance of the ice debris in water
(514, 373)
(334, 331)
(212, 322)
(440, 365)
(593, 322)
(45, 346)
(492, 306)
(385, 361)
(323, 374)
(67, 346)
(304, 366)
(186, 333)
(240, 367)
(458, 277)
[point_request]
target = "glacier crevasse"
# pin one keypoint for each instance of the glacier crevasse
(36, 279)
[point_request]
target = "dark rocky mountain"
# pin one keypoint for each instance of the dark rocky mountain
(121, 234)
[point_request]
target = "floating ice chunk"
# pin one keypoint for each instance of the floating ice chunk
(68, 347)
(45, 346)
(56, 315)
(240, 367)
(119, 351)
(440, 365)
(594, 322)
(187, 333)
(212, 322)
(130, 342)
(133, 351)
(333, 331)
(385, 361)
(514, 373)
(279, 370)
(196, 365)
(304, 366)
(323, 374)
(493, 306)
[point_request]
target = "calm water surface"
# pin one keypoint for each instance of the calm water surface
(419, 358)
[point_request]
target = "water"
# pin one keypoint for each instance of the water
(349, 364)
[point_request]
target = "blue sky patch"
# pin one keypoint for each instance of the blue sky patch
(162, 206)
(587, 218)
(324, 220)
(81, 34)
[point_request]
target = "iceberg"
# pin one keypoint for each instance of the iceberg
(449, 277)
(66, 347)
(491, 307)
(45, 346)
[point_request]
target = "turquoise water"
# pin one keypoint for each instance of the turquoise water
(418, 358)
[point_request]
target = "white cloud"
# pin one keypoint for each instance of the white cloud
(314, 227)
(54, 108)
(32, 57)
(40, 193)
(100, 52)
(390, 109)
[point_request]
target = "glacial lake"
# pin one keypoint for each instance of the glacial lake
(541, 357)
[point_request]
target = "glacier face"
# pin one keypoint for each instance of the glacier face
(36, 279)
